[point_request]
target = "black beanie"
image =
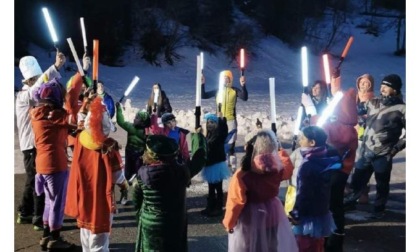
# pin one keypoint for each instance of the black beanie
(393, 81)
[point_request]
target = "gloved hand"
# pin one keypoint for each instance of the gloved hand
(60, 59)
(393, 152)
(86, 62)
(308, 104)
(117, 104)
(336, 73)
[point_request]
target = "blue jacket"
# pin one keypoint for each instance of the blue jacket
(313, 182)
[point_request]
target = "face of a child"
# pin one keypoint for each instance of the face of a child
(211, 125)
(305, 142)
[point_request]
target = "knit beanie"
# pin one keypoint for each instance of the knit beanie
(211, 117)
(393, 81)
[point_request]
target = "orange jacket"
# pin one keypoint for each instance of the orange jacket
(237, 192)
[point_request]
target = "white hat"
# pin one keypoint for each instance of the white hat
(29, 67)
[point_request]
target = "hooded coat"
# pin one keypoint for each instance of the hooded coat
(160, 200)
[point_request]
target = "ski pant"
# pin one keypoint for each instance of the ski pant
(381, 166)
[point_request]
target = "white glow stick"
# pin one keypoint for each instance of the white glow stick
(326, 68)
(298, 121)
(220, 93)
(304, 56)
(329, 109)
(198, 81)
(82, 25)
(50, 25)
(132, 85)
(76, 58)
(272, 99)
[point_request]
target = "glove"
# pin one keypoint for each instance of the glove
(86, 62)
(60, 59)
(308, 104)
(117, 104)
(336, 73)
(393, 152)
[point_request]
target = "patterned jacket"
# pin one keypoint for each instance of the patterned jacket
(384, 126)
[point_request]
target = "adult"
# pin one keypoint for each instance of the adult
(158, 102)
(226, 103)
(31, 208)
(96, 168)
(384, 136)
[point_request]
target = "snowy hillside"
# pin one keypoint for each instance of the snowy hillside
(367, 54)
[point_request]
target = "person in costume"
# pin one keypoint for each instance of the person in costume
(342, 136)
(106, 99)
(170, 129)
(95, 170)
(136, 143)
(31, 207)
(226, 101)
(254, 217)
(160, 195)
(216, 169)
(50, 122)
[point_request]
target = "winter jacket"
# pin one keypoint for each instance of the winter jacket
(215, 143)
(313, 183)
(229, 99)
(182, 140)
(160, 201)
(384, 126)
(361, 99)
(341, 131)
(136, 137)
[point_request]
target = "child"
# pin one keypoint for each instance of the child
(311, 216)
(255, 217)
(216, 169)
(170, 129)
(158, 102)
(50, 123)
(96, 168)
(136, 143)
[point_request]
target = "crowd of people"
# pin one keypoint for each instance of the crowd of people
(330, 169)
